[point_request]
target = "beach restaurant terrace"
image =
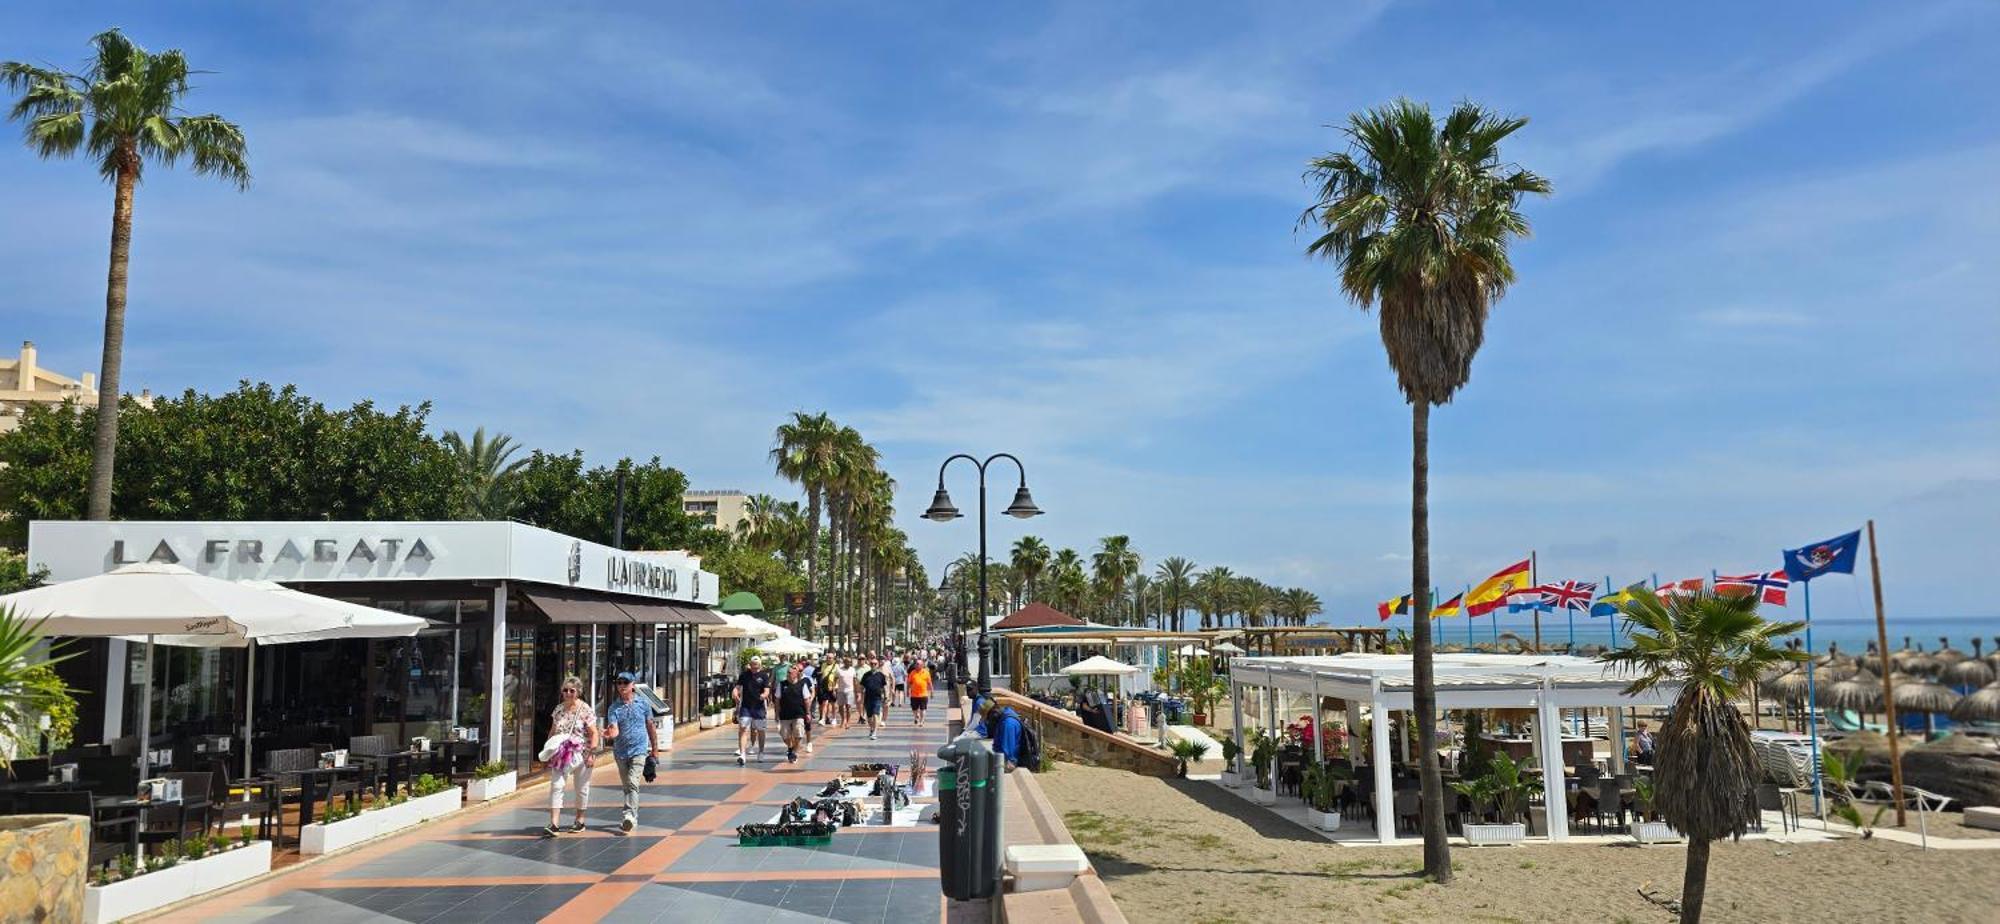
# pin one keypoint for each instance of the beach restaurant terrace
(1546, 685)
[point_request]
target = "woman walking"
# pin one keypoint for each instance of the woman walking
(572, 741)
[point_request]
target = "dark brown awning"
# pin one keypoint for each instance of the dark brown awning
(666, 613)
(567, 610)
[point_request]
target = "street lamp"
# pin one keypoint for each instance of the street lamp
(941, 510)
(956, 613)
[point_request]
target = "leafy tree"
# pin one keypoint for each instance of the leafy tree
(1704, 771)
(122, 111)
(14, 573)
(745, 567)
(1114, 563)
(555, 491)
(1419, 216)
(486, 473)
(256, 453)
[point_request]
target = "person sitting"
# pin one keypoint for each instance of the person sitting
(1642, 745)
(1004, 728)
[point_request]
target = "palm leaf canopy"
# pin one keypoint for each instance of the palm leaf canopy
(1982, 706)
(1715, 648)
(1922, 695)
(1970, 672)
(1419, 215)
(1861, 693)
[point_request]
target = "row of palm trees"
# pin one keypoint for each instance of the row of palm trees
(1112, 587)
(861, 573)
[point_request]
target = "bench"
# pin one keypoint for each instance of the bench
(1982, 816)
(1043, 867)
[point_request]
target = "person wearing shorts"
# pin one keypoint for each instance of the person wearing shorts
(874, 689)
(753, 693)
(825, 695)
(793, 692)
(920, 691)
(898, 676)
(844, 689)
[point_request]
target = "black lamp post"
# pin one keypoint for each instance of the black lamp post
(941, 510)
(956, 613)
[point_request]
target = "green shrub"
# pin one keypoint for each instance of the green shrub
(491, 769)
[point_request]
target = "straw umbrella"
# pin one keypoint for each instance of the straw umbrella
(1920, 694)
(1967, 674)
(1946, 654)
(1982, 706)
(1994, 658)
(1789, 687)
(1861, 692)
(1912, 660)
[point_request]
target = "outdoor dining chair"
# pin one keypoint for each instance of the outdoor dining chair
(197, 795)
(1409, 807)
(1610, 804)
(241, 798)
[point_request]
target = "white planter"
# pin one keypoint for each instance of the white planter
(140, 894)
(317, 839)
(1325, 821)
(478, 790)
(1232, 779)
(1655, 832)
(1482, 835)
(1264, 796)
(711, 721)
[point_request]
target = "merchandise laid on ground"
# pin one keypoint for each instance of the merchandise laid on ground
(824, 847)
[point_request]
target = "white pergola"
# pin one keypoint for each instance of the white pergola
(1382, 682)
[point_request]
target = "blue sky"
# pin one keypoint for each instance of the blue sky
(1750, 316)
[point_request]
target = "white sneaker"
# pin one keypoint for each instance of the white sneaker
(809, 747)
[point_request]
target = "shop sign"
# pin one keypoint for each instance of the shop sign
(248, 551)
(638, 574)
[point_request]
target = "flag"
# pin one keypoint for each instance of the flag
(1684, 588)
(1767, 586)
(1567, 595)
(1399, 606)
(1492, 593)
(1450, 607)
(1527, 600)
(1612, 604)
(1835, 555)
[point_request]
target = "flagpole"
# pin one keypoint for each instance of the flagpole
(1534, 580)
(1888, 690)
(1614, 613)
(1812, 721)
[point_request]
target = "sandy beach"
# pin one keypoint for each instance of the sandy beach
(1174, 851)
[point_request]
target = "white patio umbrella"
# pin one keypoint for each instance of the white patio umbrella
(743, 625)
(790, 645)
(1098, 665)
(1229, 648)
(166, 603)
(1190, 651)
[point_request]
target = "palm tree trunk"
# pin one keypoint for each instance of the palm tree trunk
(812, 564)
(1423, 693)
(1694, 881)
(104, 446)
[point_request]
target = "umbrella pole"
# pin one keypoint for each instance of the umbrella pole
(249, 706)
(146, 717)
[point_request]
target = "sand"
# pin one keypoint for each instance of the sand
(1180, 852)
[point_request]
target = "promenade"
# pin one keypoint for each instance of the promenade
(680, 865)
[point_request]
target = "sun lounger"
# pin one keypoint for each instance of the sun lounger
(1913, 796)
(1849, 721)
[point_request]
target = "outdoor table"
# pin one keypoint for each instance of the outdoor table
(394, 762)
(139, 808)
(308, 793)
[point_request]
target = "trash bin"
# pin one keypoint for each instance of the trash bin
(969, 819)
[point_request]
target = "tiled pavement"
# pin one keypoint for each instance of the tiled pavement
(681, 865)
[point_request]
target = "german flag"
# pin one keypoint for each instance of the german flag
(1450, 607)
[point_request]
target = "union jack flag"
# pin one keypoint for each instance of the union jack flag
(1769, 586)
(1568, 595)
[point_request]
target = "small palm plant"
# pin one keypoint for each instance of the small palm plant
(1714, 648)
(1839, 776)
(28, 690)
(1189, 752)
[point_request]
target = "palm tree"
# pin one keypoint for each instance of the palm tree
(1071, 586)
(807, 454)
(1114, 562)
(1704, 770)
(1419, 216)
(1300, 605)
(1144, 594)
(1175, 582)
(486, 475)
(122, 111)
(1214, 589)
(1252, 598)
(1031, 558)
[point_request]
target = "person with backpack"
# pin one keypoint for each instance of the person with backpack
(1008, 733)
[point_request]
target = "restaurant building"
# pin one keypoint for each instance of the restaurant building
(512, 610)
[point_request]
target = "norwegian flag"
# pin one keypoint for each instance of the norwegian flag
(1568, 595)
(1769, 586)
(1684, 588)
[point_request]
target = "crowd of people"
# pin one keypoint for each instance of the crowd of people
(827, 692)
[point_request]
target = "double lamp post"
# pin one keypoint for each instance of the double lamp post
(942, 510)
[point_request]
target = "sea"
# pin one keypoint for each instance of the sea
(1851, 633)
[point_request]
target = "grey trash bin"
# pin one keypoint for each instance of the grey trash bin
(969, 819)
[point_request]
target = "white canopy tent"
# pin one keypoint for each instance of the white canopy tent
(1191, 651)
(1383, 682)
(168, 604)
(789, 644)
(743, 625)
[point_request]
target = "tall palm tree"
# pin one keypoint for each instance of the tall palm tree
(1253, 600)
(1071, 585)
(1419, 215)
(1113, 564)
(1300, 605)
(1176, 582)
(1143, 597)
(807, 454)
(1214, 589)
(486, 472)
(1031, 558)
(122, 111)
(1704, 770)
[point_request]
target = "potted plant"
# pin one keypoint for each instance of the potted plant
(490, 781)
(1320, 786)
(1232, 777)
(1187, 752)
(1506, 790)
(1262, 755)
(1646, 826)
(176, 870)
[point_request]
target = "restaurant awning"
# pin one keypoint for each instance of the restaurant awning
(563, 609)
(665, 613)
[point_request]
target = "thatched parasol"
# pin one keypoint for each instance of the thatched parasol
(1919, 694)
(1967, 745)
(1947, 654)
(1970, 672)
(1789, 687)
(1982, 706)
(1864, 744)
(1912, 660)
(1861, 693)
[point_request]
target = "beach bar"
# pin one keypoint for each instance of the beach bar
(1545, 685)
(511, 609)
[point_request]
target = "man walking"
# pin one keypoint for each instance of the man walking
(899, 675)
(630, 750)
(920, 690)
(874, 689)
(753, 690)
(793, 693)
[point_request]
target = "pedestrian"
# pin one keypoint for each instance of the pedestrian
(1642, 745)
(567, 755)
(874, 689)
(899, 673)
(1004, 727)
(793, 694)
(753, 692)
(845, 690)
(629, 749)
(825, 695)
(920, 691)
(805, 667)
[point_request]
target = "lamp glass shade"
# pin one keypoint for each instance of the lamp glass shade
(941, 508)
(1023, 506)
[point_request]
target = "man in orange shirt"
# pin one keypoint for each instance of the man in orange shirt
(920, 690)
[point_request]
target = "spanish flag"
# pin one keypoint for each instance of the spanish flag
(1449, 607)
(1491, 594)
(1395, 607)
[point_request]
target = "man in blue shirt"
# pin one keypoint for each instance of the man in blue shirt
(1003, 726)
(630, 748)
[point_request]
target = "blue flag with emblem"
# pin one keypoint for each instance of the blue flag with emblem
(1834, 556)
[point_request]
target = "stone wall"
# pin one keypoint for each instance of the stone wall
(42, 861)
(1065, 737)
